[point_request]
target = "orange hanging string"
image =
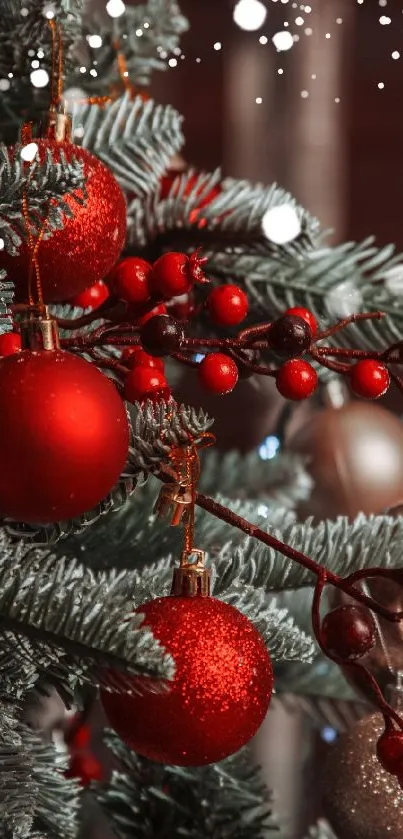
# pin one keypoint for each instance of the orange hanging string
(53, 78)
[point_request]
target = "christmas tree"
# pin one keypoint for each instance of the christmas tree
(121, 268)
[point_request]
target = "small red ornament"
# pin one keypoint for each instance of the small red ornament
(220, 693)
(92, 297)
(10, 343)
(349, 632)
(161, 309)
(129, 280)
(305, 314)
(135, 356)
(218, 373)
(86, 768)
(369, 378)
(143, 382)
(228, 305)
(296, 379)
(64, 436)
(175, 273)
(88, 245)
(389, 750)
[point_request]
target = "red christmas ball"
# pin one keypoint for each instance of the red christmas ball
(64, 436)
(305, 314)
(88, 245)
(389, 750)
(220, 693)
(369, 379)
(129, 280)
(228, 305)
(174, 274)
(136, 356)
(86, 768)
(218, 373)
(10, 343)
(296, 379)
(92, 297)
(349, 632)
(143, 382)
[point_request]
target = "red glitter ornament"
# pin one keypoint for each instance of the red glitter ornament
(369, 378)
(143, 382)
(174, 274)
(218, 373)
(129, 280)
(227, 305)
(92, 297)
(221, 690)
(296, 379)
(10, 343)
(88, 245)
(64, 436)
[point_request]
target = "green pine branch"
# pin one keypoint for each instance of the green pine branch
(6, 299)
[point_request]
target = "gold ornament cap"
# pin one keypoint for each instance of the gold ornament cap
(38, 330)
(192, 578)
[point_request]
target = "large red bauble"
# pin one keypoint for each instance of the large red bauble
(220, 693)
(63, 436)
(84, 251)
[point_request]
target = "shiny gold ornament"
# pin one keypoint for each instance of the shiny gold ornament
(360, 799)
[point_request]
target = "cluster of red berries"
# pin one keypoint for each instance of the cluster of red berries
(291, 336)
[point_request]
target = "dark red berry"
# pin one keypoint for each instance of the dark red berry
(130, 280)
(218, 373)
(174, 274)
(136, 355)
(227, 305)
(161, 309)
(369, 378)
(86, 768)
(296, 379)
(161, 335)
(142, 382)
(389, 750)
(10, 343)
(92, 297)
(348, 632)
(289, 336)
(305, 314)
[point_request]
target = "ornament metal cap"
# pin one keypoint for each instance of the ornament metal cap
(192, 578)
(38, 330)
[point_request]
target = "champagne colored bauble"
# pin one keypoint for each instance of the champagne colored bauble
(64, 436)
(220, 693)
(360, 799)
(355, 457)
(85, 249)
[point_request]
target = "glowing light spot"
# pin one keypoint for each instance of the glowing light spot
(24, 12)
(269, 448)
(308, 30)
(395, 54)
(35, 64)
(40, 54)
(115, 8)
(304, 94)
(217, 46)
(49, 11)
(139, 33)
(2, 244)
(94, 41)
(281, 224)
(381, 85)
(263, 39)
(29, 152)
(328, 35)
(39, 78)
(93, 72)
(384, 20)
(258, 100)
(299, 21)
(328, 734)
(173, 62)
(282, 41)
(249, 14)
(280, 71)
(83, 69)
(4, 84)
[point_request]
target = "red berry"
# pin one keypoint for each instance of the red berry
(349, 632)
(143, 382)
(136, 356)
(161, 309)
(10, 343)
(92, 297)
(228, 305)
(218, 373)
(305, 314)
(369, 379)
(173, 274)
(389, 749)
(130, 280)
(296, 379)
(85, 767)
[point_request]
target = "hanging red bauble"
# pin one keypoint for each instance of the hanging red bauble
(86, 768)
(10, 343)
(88, 245)
(220, 693)
(63, 436)
(92, 297)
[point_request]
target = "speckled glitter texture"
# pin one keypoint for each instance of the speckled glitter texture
(220, 693)
(361, 800)
(89, 244)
